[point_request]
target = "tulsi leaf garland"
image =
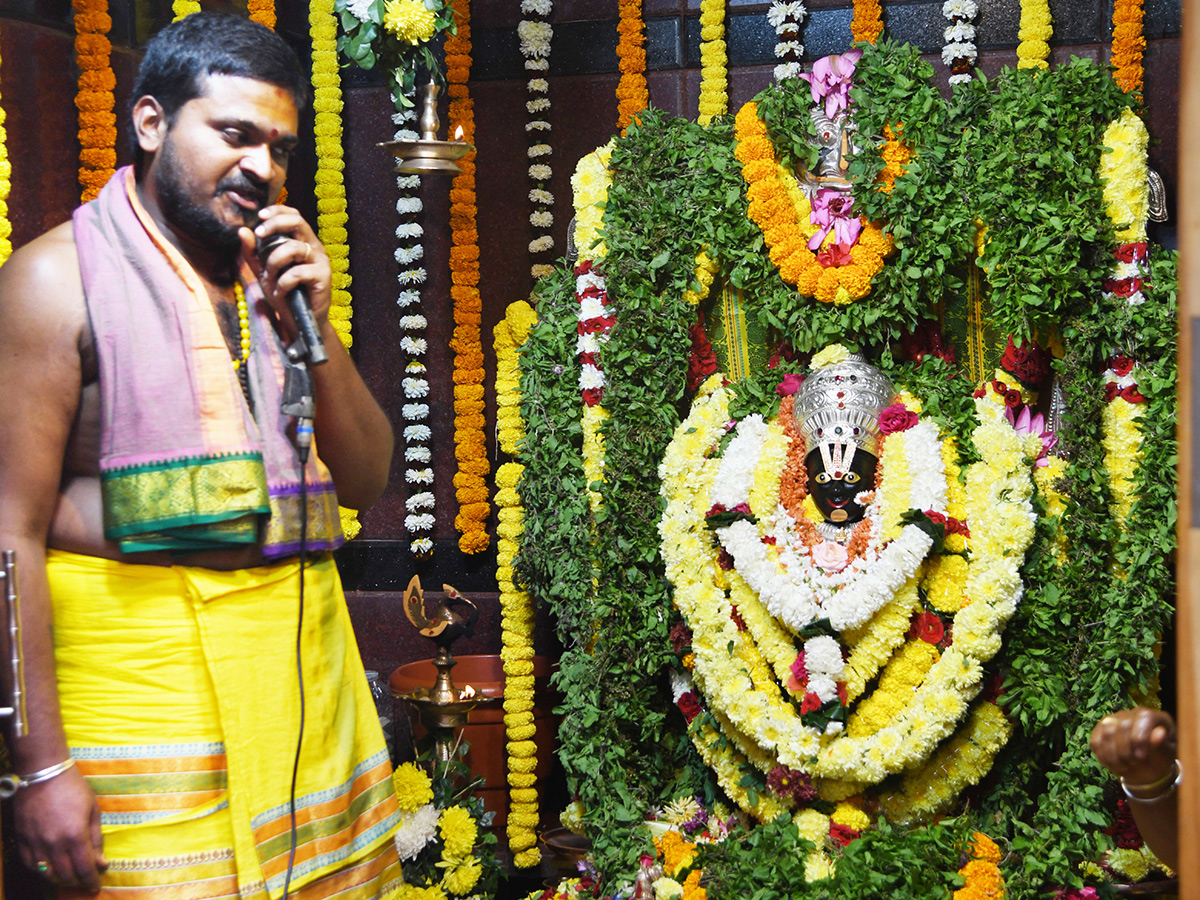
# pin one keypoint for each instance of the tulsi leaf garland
(469, 445)
(535, 33)
(97, 121)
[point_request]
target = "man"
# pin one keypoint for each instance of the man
(150, 488)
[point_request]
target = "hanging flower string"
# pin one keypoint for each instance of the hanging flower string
(714, 57)
(184, 8)
(535, 33)
(97, 121)
(5, 187)
(867, 23)
(469, 448)
(786, 18)
(330, 188)
(1128, 45)
(1035, 31)
(262, 12)
(516, 606)
(632, 93)
(959, 52)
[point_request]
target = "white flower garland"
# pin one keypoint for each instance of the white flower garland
(409, 251)
(959, 52)
(786, 18)
(535, 33)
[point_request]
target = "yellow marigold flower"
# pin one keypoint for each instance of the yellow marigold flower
(834, 353)
(413, 787)
(408, 20)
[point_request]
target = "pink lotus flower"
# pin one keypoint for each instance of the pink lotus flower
(830, 556)
(1025, 424)
(832, 211)
(830, 80)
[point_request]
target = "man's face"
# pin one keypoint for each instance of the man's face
(834, 492)
(223, 158)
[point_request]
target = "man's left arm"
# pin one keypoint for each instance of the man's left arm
(354, 437)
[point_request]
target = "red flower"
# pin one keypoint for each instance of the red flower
(843, 696)
(1111, 391)
(1029, 362)
(835, 256)
(929, 627)
(842, 834)
(1121, 364)
(790, 384)
(769, 539)
(788, 783)
(702, 361)
(689, 705)
(1130, 253)
(591, 396)
(979, 392)
(993, 687)
(1122, 287)
(810, 703)
(896, 418)
(725, 560)
(1012, 399)
(936, 517)
(737, 619)
(1132, 394)
(681, 637)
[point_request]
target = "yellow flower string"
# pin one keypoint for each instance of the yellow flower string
(867, 23)
(896, 155)
(714, 57)
(262, 12)
(1128, 45)
(516, 606)
(469, 447)
(97, 121)
(706, 272)
(330, 189)
(1035, 31)
(633, 95)
(982, 876)
(5, 187)
(184, 8)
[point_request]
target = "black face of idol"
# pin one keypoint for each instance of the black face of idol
(834, 492)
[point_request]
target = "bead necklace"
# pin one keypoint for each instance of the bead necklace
(240, 362)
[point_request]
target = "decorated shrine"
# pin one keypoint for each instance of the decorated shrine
(790, 393)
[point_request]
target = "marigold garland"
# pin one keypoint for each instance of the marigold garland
(714, 57)
(184, 8)
(633, 95)
(5, 187)
(262, 12)
(97, 121)
(896, 155)
(1128, 45)
(867, 23)
(470, 449)
(781, 211)
(1035, 31)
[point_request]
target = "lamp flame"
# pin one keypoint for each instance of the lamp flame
(458, 133)
(466, 693)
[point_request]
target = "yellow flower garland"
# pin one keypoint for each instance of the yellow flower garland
(779, 208)
(589, 185)
(1035, 31)
(983, 880)
(330, 188)
(262, 12)
(184, 8)
(5, 187)
(706, 271)
(867, 23)
(1128, 45)
(714, 57)
(1122, 438)
(1126, 191)
(516, 606)
(470, 448)
(97, 121)
(632, 93)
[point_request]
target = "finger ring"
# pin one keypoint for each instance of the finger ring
(43, 866)
(307, 252)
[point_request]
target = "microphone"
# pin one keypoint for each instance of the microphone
(299, 306)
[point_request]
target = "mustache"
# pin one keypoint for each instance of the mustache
(248, 189)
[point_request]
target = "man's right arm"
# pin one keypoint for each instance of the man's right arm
(42, 321)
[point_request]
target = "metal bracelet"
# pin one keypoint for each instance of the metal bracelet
(1160, 787)
(10, 784)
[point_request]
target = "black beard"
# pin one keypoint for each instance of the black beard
(197, 222)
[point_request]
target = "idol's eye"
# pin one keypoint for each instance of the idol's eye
(823, 478)
(852, 478)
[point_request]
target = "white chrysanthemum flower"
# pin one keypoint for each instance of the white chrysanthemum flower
(681, 683)
(539, 172)
(959, 79)
(539, 195)
(541, 244)
(537, 150)
(783, 48)
(408, 255)
(415, 367)
(541, 219)
(408, 182)
(539, 85)
(959, 31)
(419, 476)
(409, 206)
(421, 500)
(400, 116)
(417, 433)
(960, 9)
(591, 377)
(535, 37)
(541, 270)
(541, 104)
(787, 27)
(408, 298)
(537, 125)
(360, 9)
(415, 412)
(419, 522)
(414, 346)
(587, 343)
(537, 64)
(412, 276)
(781, 11)
(536, 7)
(415, 388)
(409, 230)
(416, 830)
(413, 322)
(788, 70)
(406, 134)
(421, 546)
(958, 50)
(418, 453)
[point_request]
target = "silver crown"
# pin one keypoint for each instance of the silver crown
(839, 405)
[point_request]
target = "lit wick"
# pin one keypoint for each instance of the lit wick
(466, 693)
(458, 133)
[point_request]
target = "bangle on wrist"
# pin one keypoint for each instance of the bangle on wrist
(10, 784)
(1157, 789)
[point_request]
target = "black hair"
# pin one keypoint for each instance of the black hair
(179, 57)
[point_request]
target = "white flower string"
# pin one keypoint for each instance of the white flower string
(959, 52)
(786, 18)
(410, 251)
(535, 33)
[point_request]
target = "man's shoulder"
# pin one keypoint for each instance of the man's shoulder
(44, 275)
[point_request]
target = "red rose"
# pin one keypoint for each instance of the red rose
(737, 619)
(681, 636)
(896, 418)
(842, 834)
(999, 387)
(843, 695)
(979, 392)
(702, 361)
(790, 384)
(1029, 362)
(1110, 391)
(583, 268)
(689, 705)
(1012, 399)
(799, 670)
(810, 703)
(835, 256)
(1123, 287)
(1122, 365)
(591, 396)
(1132, 394)
(1130, 253)
(930, 628)
(769, 539)
(935, 517)
(725, 560)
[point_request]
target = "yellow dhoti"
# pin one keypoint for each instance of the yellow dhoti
(182, 706)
